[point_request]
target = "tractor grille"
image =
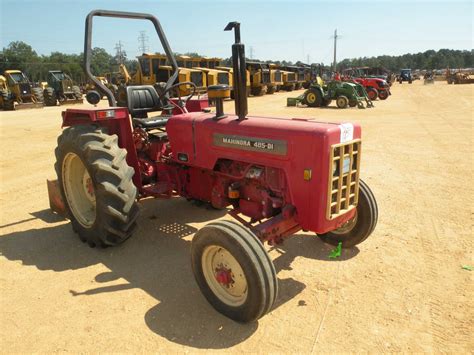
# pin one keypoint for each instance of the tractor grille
(278, 76)
(25, 89)
(343, 186)
(196, 78)
(291, 77)
(265, 77)
(223, 78)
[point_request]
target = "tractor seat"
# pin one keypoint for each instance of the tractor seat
(141, 100)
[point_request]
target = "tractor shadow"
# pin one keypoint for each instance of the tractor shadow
(308, 247)
(156, 260)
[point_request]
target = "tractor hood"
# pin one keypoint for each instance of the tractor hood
(295, 146)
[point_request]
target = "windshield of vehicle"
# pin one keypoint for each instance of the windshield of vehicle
(19, 77)
(59, 76)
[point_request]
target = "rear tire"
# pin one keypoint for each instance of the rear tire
(361, 226)
(352, 103)
(96, 185)
(234, 271)
(50, 97)
(313, 98)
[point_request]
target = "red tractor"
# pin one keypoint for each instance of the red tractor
(375, 87)
(274, 176)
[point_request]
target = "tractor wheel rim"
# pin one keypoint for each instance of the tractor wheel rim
(224, 275)
(311, 97)
(79, 190)
(341, 101)
(346, 227)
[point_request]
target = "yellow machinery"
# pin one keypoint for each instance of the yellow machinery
(18, 93)
(299, 77)
(153, 68)
(289, 80)
(276, 77)
(91, 86)
(260, 78)
(214, 76)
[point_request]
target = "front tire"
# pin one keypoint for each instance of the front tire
(361, 226)
(372, 94)
(96, 185)
(38, 94)
(383, 94)
(259, 90)
(8, 101)
(271, 89)
(49, 97)
(234, 271)
(77, 92)
(342, 101)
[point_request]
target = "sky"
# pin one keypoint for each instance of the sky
(271, 30)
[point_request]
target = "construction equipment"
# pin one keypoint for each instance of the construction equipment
(215, 75)
(155, 68)
(276, 78)
(260, 78)
(289, 80)
(16, 92)
(275, 176)
(405, 75)
(61, 89)
(459, 77)
(299, 77)
(345, 93)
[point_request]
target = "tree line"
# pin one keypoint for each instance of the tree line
(20, 55)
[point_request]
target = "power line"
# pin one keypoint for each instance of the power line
(119, 52)
(143, 42)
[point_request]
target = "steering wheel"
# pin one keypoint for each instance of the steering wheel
(181, 103)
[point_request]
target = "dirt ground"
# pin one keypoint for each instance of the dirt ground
(404, 289)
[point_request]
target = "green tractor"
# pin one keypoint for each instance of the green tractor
(346, 94)
(61, 89)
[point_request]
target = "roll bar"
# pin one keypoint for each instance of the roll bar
(126, 15)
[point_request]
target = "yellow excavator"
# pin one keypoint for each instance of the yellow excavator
(16, 92)
(153, 68)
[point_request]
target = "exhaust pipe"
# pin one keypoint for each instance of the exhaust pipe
(240, 75)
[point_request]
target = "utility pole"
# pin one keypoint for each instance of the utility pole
(251, 52)
(119, 52)
(335, 45)
(143, 42)
(308, 59)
